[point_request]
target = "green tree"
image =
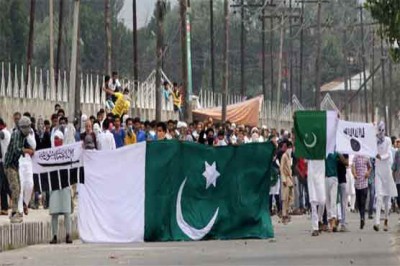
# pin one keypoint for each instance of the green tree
(13, 30)
(387, 13)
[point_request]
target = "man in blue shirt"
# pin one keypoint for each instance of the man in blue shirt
(140, 134)
(118, 132)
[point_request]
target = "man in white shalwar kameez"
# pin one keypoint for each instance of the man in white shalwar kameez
(26, 173)
(317, 192)
(105, 140)
(385, 187)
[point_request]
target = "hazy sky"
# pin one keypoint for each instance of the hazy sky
(144, 12)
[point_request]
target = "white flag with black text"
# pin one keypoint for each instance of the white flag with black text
(58, 168)
(356, 138)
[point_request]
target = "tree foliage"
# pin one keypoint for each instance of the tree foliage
(337, 15)
(387, 13)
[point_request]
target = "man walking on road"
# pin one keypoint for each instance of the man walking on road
(371, 189)
(331, 183)
(385, 187)
(287, 182)
(11, 164)
(341, 171)
(316, 189)
(361, 170)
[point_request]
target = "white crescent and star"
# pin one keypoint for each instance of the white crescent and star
(313, 143)
(210, 174)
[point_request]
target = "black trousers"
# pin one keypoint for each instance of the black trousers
(4, 189)
(398, 195)
(361, 199)
(278, 203)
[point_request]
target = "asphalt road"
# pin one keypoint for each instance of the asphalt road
(293, 245)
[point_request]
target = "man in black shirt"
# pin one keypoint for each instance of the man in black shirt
(341, 171)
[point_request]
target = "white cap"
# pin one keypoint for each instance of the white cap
(254, 129)
(58, 134)
(181, 124)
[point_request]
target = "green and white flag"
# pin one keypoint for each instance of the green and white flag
(169, 190)
(315, 134)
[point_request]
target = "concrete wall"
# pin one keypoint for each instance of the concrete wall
(14, 236)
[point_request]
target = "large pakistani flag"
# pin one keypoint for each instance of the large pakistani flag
(315, 134)
(163, 191)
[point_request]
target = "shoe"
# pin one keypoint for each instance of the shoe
(344, 229)
(315, 233)
(370, 217)
(362, 224)
(26, 210)
(4, 212)
(376, 228)
(333, 225)
(54, 241)
(16, 218)
(325, 228)
(320, 226)
(68, 239)
(385, 226)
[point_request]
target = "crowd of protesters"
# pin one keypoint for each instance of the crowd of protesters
(113, 128)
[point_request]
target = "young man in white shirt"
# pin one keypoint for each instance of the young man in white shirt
(105, 140)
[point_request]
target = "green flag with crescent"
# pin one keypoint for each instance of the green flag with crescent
(315, 134)
(195, 192)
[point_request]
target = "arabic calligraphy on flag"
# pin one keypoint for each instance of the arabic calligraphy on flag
(58, 168)
(356, 138)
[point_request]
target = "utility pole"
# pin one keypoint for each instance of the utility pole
(225, 60)
(383, 80)
(30, 43)
(186, 58)
(52, 83)
(373, 78)
(263, 17)
(78, 76)
(280, 14)
(301, 52)
(242, 5)
(318, 61)
(389, 126)
(59, 41)
(264, 88)
(107, 17)
(346, 77)
(160, 7)
(280, 61)
(290, 54)
(242, 55)
(271, 52)
(74, 57)
(135, 48)
(212, 48)
(363, 63)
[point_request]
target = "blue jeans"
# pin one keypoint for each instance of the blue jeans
(371, 190)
